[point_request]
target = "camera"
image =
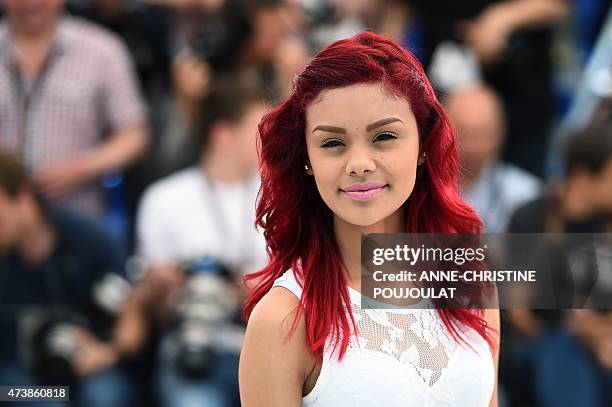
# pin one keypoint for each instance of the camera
(53, 346)
(203, 314)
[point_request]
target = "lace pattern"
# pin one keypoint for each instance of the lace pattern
(418, 339)
(401, 358)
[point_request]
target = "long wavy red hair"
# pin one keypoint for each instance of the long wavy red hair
(297, 224)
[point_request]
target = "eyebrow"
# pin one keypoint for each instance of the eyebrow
(370, 127)
(331, 129)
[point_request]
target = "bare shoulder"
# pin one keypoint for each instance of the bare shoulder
(492, 314)
(273, 363)
(274, 315)
(276, 306)
(492, 318)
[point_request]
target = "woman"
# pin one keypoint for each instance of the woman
(361, 145)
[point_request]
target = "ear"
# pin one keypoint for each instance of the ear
(422, 157)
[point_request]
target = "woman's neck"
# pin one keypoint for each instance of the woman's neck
(348, 237)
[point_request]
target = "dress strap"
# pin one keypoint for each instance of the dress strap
(288, 281)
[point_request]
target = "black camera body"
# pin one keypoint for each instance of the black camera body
(54, 348)
(53, 345)
(207, 305)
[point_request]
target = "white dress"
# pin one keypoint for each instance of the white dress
(401, 357)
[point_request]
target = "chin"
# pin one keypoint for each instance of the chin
(363, 223)
(363, 220)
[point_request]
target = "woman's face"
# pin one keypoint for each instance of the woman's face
(363, 149)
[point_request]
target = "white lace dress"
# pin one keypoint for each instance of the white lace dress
(401, 357)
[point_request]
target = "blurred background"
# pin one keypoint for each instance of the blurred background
(128, 177)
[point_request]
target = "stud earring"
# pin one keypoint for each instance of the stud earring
(306, 167)
(423, 156)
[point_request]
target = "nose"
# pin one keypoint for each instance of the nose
(359, 161)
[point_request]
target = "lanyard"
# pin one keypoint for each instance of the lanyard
(25, 95)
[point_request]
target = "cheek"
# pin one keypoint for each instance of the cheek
(403, 175)
(407, 180)
(323, 166)
(327, 175)
(326, 181)
(403, 165)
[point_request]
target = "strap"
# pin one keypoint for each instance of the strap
(289, 282)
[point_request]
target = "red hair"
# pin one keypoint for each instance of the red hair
(297, 224)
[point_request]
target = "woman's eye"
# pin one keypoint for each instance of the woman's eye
(332, 143)
(384, 136)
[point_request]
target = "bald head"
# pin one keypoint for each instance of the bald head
(477, 115)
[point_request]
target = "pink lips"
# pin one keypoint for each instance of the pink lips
(364, 192)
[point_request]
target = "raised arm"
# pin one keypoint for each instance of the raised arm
(488, 33)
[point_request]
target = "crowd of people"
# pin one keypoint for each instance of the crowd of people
(129, 177)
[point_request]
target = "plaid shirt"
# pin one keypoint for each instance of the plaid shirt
(85, 90)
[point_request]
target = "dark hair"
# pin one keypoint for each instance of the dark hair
(222, 44)
(13, 175)
(228, 99)
(591, 148)
(297, 224)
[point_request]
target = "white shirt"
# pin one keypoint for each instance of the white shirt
(401, 358)
(185, 216)
(498, 192)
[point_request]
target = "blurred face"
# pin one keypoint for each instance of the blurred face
(603, 189)
(477, 117)
(350, 8)
(271, 27)
(190, 76)
(9, 221)
(363, 147)
(33, 15)
(245, 135)
(588, 194)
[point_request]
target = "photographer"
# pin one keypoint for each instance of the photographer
(541, 343)
(61, 286)
(204, 212)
